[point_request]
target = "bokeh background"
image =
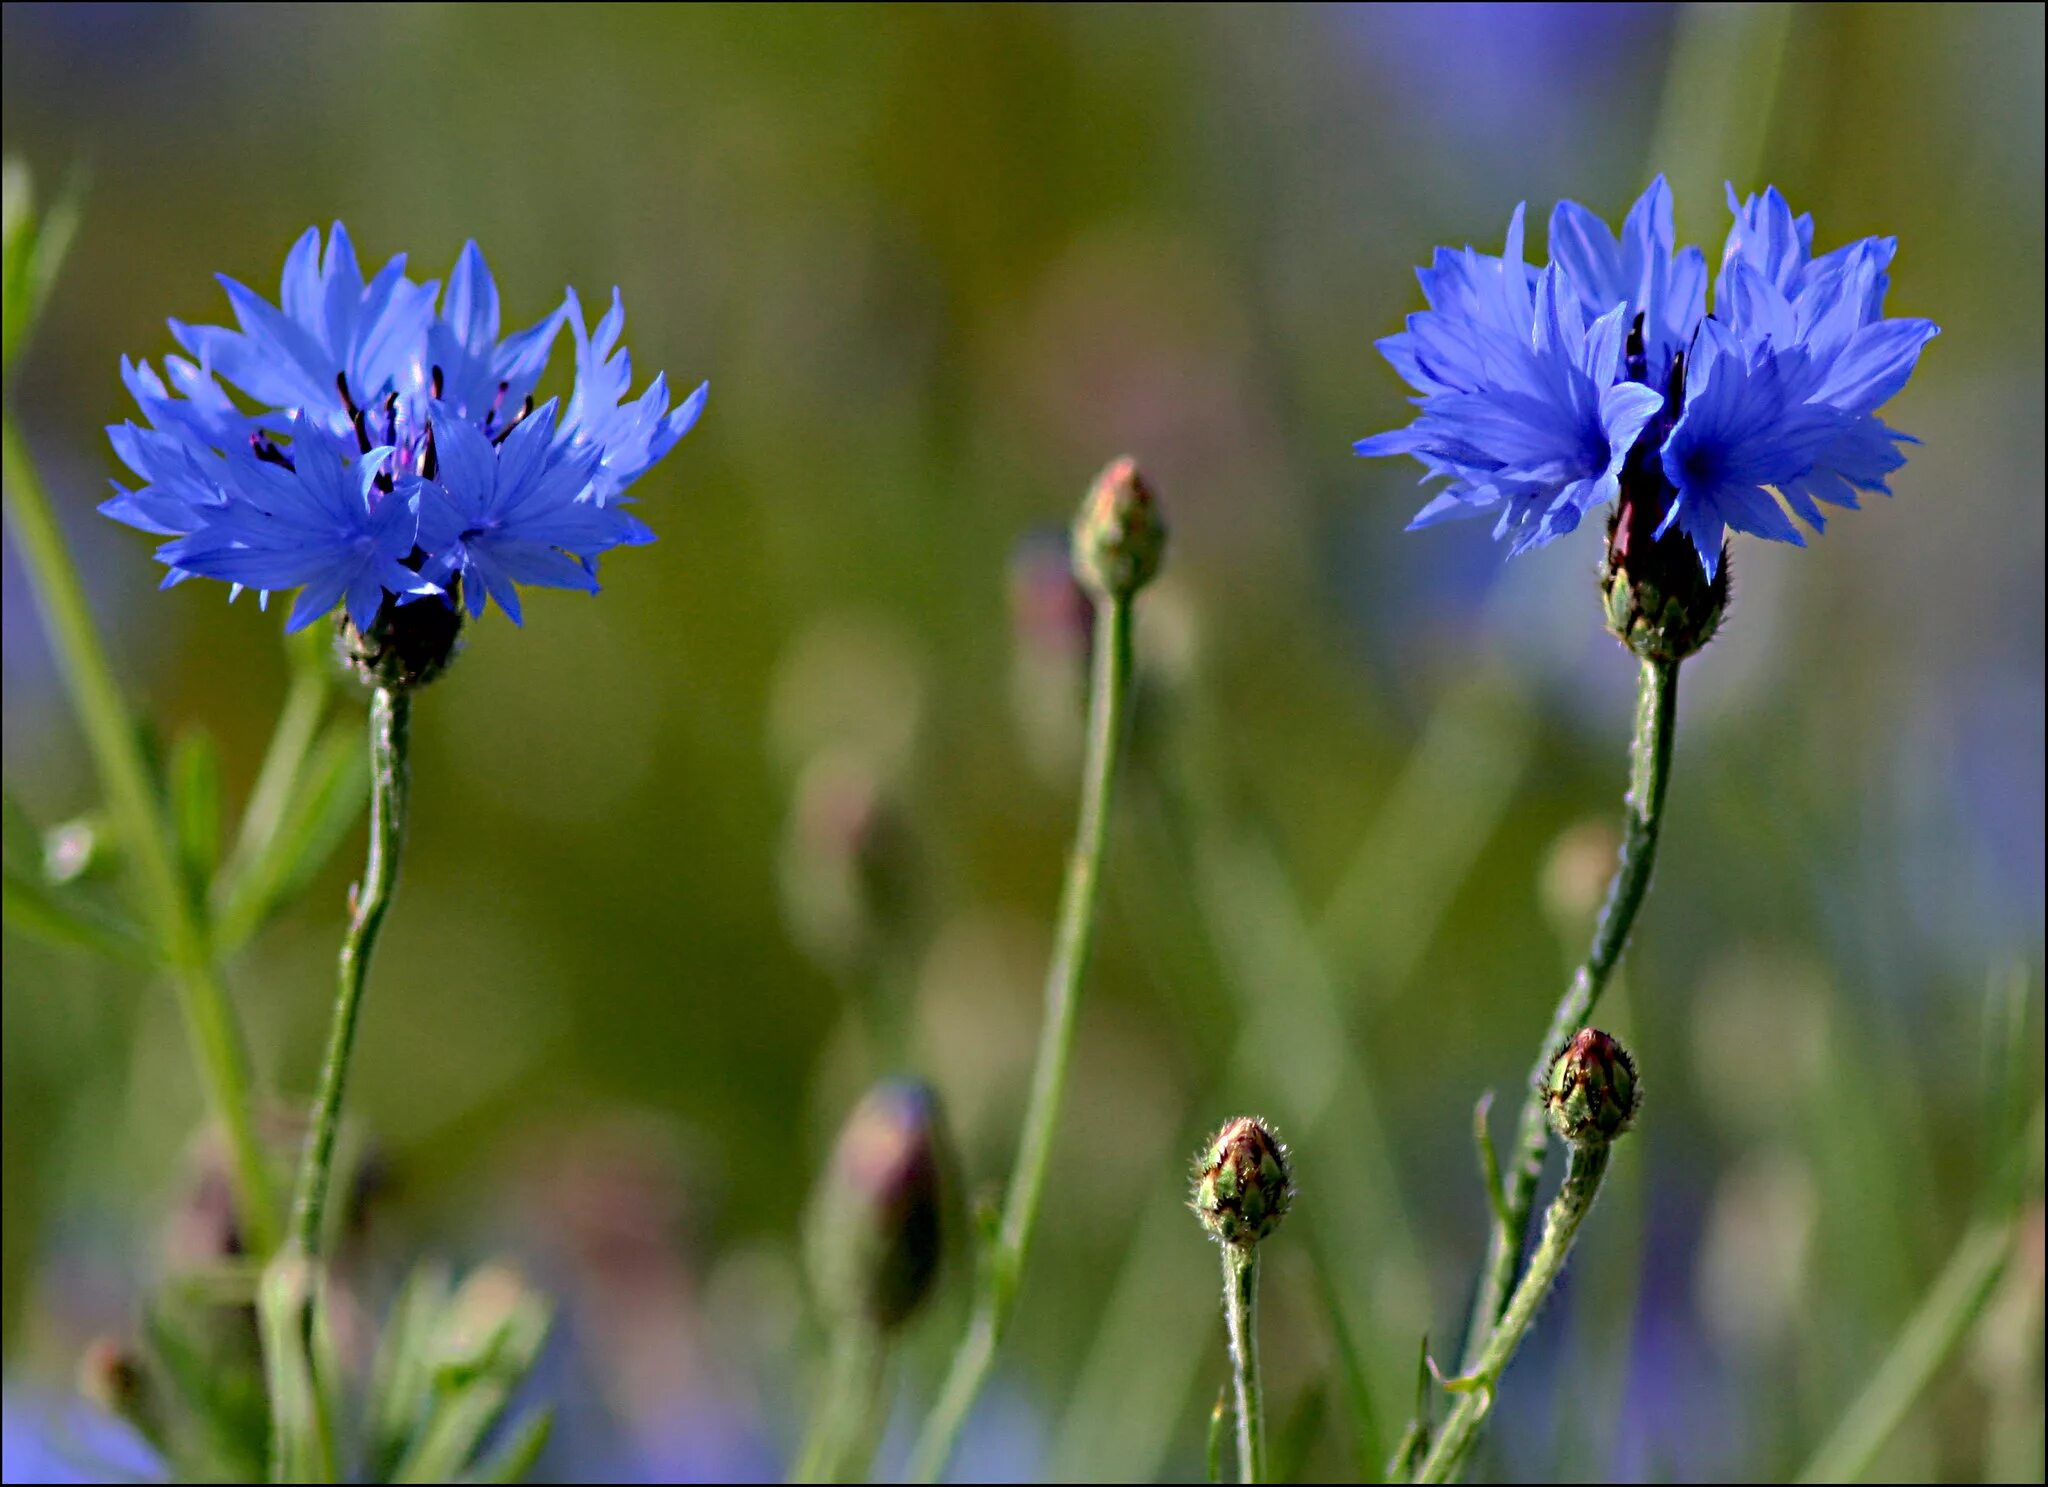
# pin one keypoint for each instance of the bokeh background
(692, 861)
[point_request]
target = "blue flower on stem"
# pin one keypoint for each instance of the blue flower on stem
(513, 513)
(405, 393)
(308, 520)
(1546, 394)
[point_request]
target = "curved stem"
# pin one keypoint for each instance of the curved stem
(841, 1441)
(1241, 1316)
(1108, 713)
(172, 907)
(1649, 774)
(1574, 1201)
(390, 733)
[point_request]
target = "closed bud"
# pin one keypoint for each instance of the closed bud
(1659, 601)
(406, 646)
(1243, 1185)
(876, 1230)
(1592, 1093)
(1119, 537)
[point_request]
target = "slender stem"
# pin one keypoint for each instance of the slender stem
(1649, 774)
(842, 1434)
(390, 734)
(1241, 1316)
(1108, 713)
(1574, 1201)
(172, 910)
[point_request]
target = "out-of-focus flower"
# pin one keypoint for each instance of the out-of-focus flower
(1546, 393)
(416, 458)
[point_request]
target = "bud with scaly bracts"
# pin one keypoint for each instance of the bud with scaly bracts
(1119, 537)
(1243, 1185)
(1592, 1093)
(406, 646)
(876, 1224)
(1659, 602)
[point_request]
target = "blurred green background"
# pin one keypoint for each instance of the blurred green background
(941, 263)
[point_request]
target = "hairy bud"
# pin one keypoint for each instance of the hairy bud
(1243, 1185)
(1119, 537)
(1592, 1093)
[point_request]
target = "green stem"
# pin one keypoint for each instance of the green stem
(1568, 1210)
(1241, 1316)
(1108, 714)
(390, 733)
(1649, 774)
(842, 1434)
(172, 910)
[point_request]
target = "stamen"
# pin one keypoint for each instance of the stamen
(524, 409)
(1636, 364)
(390, 418)
(491, 413)
(436, 384)
(430, 462)
(362, 428)
(261, 446)
(347, 402)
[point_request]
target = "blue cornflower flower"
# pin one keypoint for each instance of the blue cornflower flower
(336, 531)
(514, 512)
(1544, 394)
(387, 376)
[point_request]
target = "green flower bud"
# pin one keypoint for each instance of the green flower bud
(1659, 601)
(1592, 1093)
(877, 1224)
(1118, 535)
(406, 646)
(1243, 1185)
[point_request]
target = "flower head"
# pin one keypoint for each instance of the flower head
(1546, 393)
(1243, 1184)
(416, 460)
(1592, 1093)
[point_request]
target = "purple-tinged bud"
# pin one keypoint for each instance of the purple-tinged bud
(406, 646)
(877, 1222)
(1658, 600)
(1119, 537)
(1592, 1093)
(1243, 1184)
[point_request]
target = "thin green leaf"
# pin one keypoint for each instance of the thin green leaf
(523, 1445)
(194, 789)
(21, 840)
(34, 250)
(328, 799)
(1367, 1438)
(1938, 1324)
(219, 1413)
(1297, 1434)
(72, 921)
(1414, 1444)
(401, 1380)
(490, 1338)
